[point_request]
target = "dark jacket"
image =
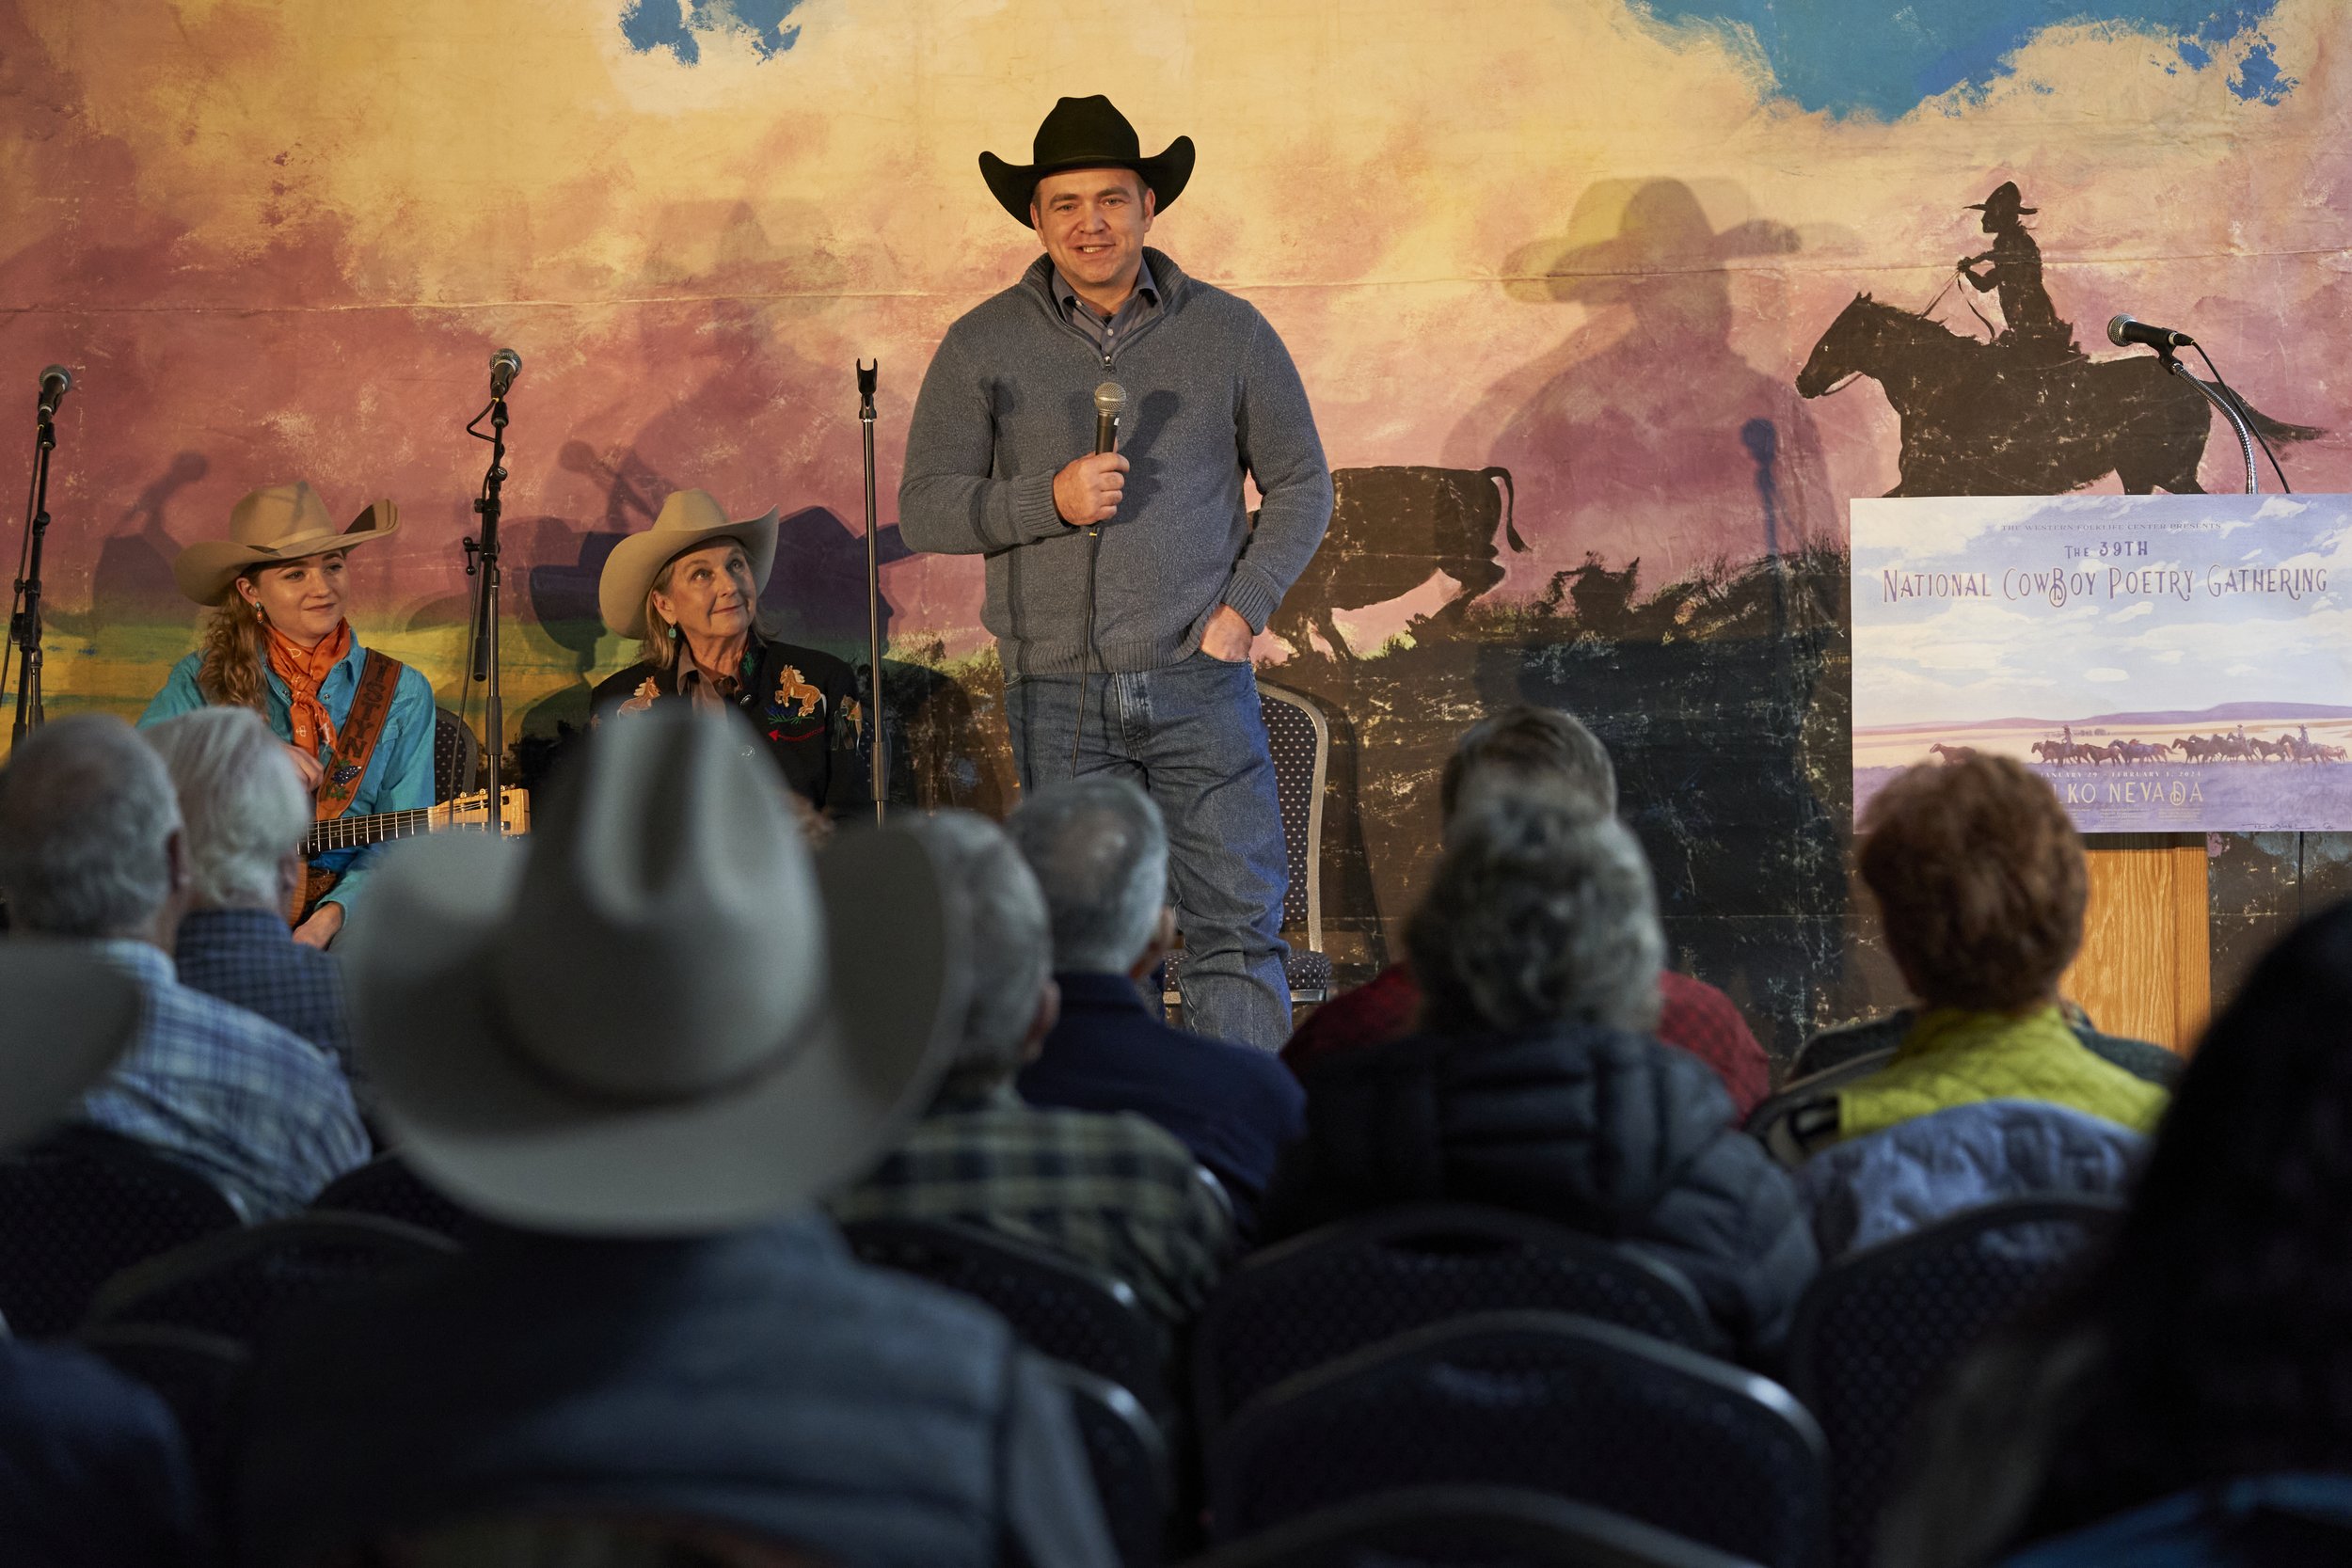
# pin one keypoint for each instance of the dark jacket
(808, 703)
(762, 1380)
(1232, 1106)
(1608, 1132)
(93, 1473)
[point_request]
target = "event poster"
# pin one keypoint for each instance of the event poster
(2170, 663)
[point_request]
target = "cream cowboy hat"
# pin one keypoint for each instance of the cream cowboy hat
(657, 1015)
(71, 1018)
(282, 523)
(688, 519)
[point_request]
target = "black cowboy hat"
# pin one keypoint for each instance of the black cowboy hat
(1086, 132)
(2006, 197)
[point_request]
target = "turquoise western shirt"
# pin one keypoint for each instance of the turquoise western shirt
(399, 773)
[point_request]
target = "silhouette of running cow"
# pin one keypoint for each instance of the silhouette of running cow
(1391, 529)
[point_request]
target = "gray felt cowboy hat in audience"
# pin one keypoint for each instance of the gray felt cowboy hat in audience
(688, 521)
(71, 1017)
(659, 1014)
(269, 527)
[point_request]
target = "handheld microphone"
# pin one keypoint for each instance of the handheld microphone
(2123, 331)
(1110, 401)
(505, 365)
(55, 382)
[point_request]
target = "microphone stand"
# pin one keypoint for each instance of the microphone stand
(24, 613)
(2230, 411)
(484, 552)
(866, 376)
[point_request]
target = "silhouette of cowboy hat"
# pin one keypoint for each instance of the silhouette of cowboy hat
(269, 527)
(2005, 198)
(1086, 132)
(1622, 230)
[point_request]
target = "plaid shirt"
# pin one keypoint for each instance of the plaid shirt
(1693, 1015)
(261, 1114)
(249, 960)
(1113, 1191)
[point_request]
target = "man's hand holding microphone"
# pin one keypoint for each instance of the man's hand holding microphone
(1086, 492)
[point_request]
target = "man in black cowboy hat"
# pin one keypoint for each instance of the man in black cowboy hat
(2031, 320)
(1139, 568)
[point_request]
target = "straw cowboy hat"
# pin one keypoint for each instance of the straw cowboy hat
(657, 1015)
(269, 527)
(1086, 132)
(688, 519)
(71, 1016)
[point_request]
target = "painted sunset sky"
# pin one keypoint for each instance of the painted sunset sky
(1589, 240)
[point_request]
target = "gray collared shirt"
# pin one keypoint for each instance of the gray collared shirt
(1139, 306)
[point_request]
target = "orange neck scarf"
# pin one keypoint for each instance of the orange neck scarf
(304, 671)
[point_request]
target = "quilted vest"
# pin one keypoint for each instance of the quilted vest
(1958, 1058)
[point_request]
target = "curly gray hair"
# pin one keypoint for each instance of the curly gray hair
(1541, 913)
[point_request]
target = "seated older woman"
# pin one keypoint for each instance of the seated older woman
(1980, 885)
(687, 589)
(1535, 1084)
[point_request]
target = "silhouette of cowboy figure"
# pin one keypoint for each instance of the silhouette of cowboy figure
(2031, 324)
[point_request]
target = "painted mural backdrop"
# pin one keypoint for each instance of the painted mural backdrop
(1554, 271)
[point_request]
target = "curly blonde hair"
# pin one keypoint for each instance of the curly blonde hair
(233, 664)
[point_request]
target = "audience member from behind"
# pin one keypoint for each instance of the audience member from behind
(245, 815)
(1110, 1191)
(91, 849)
(1537, 1087)
(1099, 852)
(643, 1042)
(93, 1471)
(1980, 885)
(2209, 1353)
(1522, 745)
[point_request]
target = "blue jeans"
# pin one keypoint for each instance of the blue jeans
(1192, 735)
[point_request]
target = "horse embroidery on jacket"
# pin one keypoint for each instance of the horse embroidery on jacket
(795, 698)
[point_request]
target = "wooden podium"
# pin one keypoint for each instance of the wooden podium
(2146, 968)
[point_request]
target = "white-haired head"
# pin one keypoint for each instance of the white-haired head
(1099, 852)
(1013, 999)
(245, 810)
(89, 832)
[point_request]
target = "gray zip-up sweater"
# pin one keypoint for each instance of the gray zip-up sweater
(1211, 395)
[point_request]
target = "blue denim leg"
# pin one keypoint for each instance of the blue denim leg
(1191, 734)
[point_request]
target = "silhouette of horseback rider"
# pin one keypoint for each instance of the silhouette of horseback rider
(2031, 324)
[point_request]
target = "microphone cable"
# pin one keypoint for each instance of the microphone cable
(2246, 413)
(1086, 656)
